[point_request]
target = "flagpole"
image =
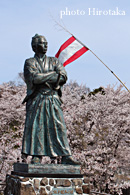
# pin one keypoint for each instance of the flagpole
(109, 70)
(93, 54)
(102, 63)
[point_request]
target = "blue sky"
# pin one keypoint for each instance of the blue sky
(106, 35)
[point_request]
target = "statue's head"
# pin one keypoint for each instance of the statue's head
(39, 44)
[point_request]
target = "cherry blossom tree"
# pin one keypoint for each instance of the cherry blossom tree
(98, 132)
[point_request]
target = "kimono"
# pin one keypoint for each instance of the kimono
(45, 131)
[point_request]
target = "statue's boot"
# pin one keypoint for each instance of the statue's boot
(69, 160)
(36, 160)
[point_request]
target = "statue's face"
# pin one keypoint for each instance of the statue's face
(41, 45)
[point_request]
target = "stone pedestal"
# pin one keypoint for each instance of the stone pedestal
(46, 180)
(46, 170)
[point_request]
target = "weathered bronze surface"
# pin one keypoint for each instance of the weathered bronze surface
(45, 129)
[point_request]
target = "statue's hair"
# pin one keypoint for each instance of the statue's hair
(35, 41)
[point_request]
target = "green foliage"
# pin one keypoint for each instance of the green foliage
(98, 90)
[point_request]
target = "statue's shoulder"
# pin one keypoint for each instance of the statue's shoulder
(53, 60)
(31, 60)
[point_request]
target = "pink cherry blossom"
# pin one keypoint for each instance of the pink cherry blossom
(98, 132)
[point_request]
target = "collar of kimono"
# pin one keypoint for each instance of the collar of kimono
(40, 57)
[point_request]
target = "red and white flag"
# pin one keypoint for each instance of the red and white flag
(70, 51)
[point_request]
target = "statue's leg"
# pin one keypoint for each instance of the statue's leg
(36, 159)
(69, 160)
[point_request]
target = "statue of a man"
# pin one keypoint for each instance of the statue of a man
(45, 131)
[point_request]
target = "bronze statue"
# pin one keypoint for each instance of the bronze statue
(45, 130)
